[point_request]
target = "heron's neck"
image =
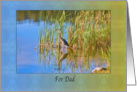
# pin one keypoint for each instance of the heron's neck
(60, 35)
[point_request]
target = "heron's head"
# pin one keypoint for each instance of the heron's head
(59, 30)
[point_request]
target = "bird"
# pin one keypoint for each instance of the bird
(63, 41)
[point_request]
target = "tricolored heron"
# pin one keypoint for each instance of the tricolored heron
(63, 41)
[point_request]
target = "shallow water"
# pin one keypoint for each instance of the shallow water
(48, 59)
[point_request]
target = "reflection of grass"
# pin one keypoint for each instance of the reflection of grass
(87, 31)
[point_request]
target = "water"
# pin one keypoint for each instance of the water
(47, 59)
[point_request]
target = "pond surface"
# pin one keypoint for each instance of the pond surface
(47, 59)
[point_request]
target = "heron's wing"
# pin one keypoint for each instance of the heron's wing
(65, 42)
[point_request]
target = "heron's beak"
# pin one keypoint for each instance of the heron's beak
(58, 30)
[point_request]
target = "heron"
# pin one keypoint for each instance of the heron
(63, 41)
